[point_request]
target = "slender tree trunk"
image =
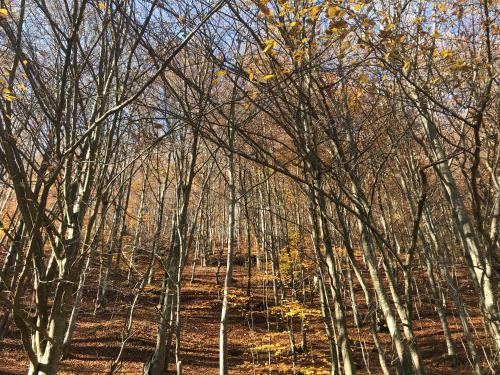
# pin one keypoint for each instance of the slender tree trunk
(223, 362)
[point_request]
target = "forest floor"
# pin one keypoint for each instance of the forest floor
(97, 339)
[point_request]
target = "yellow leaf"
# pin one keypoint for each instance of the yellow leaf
(445, 53)
(331, 12)
(441, 7)
(102, 6)
(269, 44)
(419, 20)
(298, 55)
(406, 66)
(266, 77)
(363, 78)
(315, 10)
(358, 6)
(21, 86)
(221, 73)
(3, 12)
(250, 74)
(25, 62)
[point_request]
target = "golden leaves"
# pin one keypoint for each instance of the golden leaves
(331, 11)
(8, 96)
(219, 75)
(251, 76)
(358, 6)
(335, 12)
(446, 53)
(285, 70)
(314, 12)
(441, 7)
(406, 66)
(285, 8)
(298, 55)
(266, 77)
(294, 308)
(337, 26)
(419, 20)
(269, 44)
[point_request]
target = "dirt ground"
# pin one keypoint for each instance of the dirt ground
(98, 338)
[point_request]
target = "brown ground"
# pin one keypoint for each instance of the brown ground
(98, 338)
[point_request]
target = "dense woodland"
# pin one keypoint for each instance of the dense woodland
(316, 181)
